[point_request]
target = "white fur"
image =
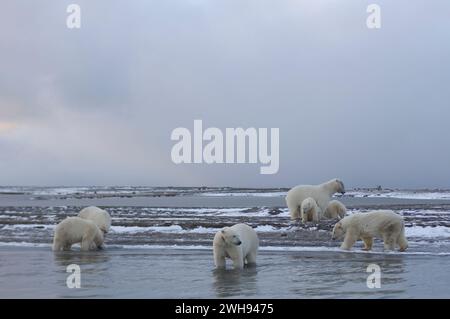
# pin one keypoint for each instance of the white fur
(99, 216)
(74, 230)
(239, 243)
(320, 193)
(309, 210)
(384, 224)
(335, 209)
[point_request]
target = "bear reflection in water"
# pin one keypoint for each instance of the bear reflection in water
(65, 258)
(235, 282)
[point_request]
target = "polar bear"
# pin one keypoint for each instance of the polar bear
(384, 224)
(74, 230)
(321, 193)
(335, 209)
(99, 216)
(309, 210)
(239, 243)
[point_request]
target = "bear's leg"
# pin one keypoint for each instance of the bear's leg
(389, 242)
(238, 258)
(238, 263)
(297, 213)
(219, 257)
(315, 216)
(304, 217)
(87, 240)
(98, 240)
(349, 241)
(56, 246)
(393, 242)
(331, 214)
(368, 242)
(85, 245)
(294, 212)
(401, 241)
(251, 258)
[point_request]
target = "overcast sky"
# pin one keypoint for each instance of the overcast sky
(96, 106)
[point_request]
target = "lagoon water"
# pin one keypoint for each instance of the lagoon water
(157, 273)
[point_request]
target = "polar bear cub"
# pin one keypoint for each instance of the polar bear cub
(384, 224)
(239, 243)
(99, 216)
(309, 211)
(73, 230)
(335, 209)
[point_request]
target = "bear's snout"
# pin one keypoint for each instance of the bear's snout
(238, 243)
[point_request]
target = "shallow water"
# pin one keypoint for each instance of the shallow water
(157, 273)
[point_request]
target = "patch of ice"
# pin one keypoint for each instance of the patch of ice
(266, 229)
(245, 194)
(401, 194)
(162, 229)
(428, 232)
(137, 229)
(203, 230)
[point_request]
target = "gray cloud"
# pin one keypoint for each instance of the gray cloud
(97, 105)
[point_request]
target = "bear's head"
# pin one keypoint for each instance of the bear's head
(338, 231)
(230, 237)
(341, 211)
(105, 222)
(340, 188)
(308, 204)
(104, 227)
